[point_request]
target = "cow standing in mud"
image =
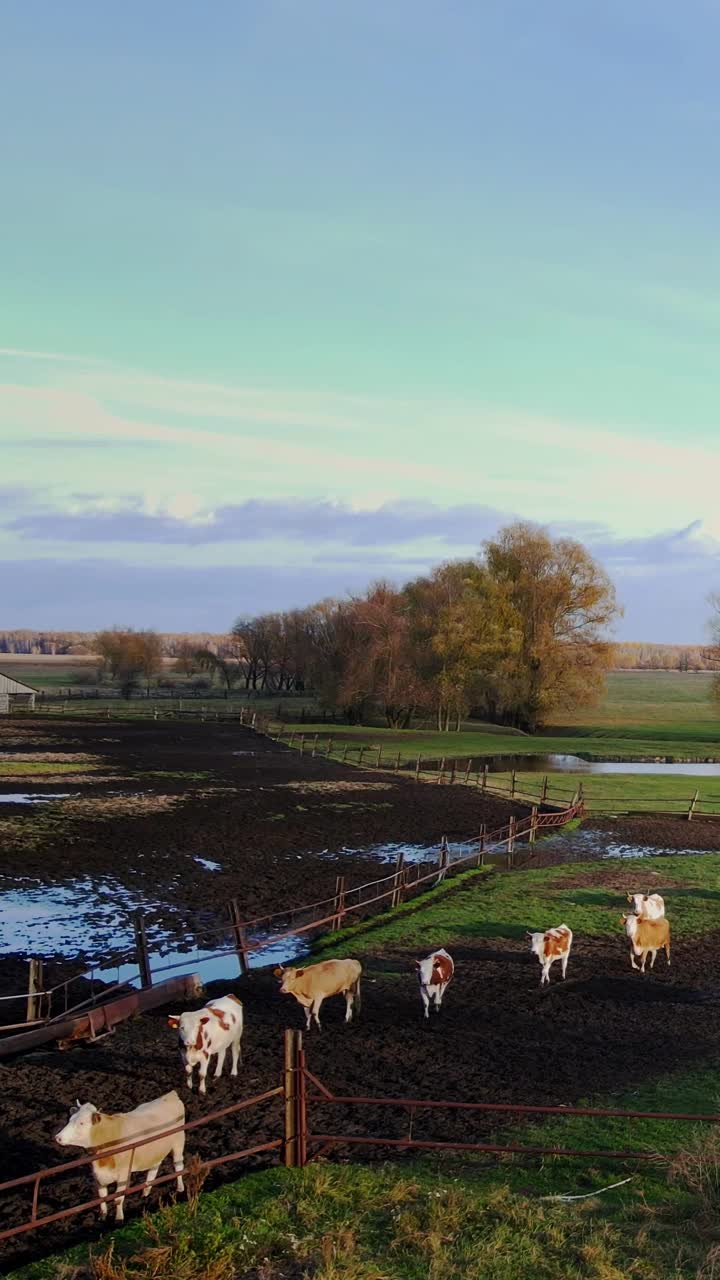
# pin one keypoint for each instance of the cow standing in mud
(317, 982)
(214, 1029)
(552, 945)
(434, 973)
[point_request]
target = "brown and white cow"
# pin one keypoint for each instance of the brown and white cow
(552, 945)
(96, 1131)
(647, 937)
(214, 1029)
(312, 985)
(434, 974)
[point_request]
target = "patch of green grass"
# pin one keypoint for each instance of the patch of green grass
(480, 904)
(415, 1222)
(36, 768)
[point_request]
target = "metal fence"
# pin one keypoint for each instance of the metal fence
(302, 1136)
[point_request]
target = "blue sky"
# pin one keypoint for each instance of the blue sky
(296, 296)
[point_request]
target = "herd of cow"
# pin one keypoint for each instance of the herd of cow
(211, 1031)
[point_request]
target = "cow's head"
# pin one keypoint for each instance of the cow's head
(537, 942)
(78, 1132)
(288, 978)
(190, 1028)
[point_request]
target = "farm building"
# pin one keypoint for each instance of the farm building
(14, 695)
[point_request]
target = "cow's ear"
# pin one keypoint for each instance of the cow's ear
(96, 1117)
(299, 973)
(279, 971)
(173, 1020)
(203, 1021)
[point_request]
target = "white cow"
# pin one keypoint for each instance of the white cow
(649, 906)
(96, 1131)
(553, 944)
(214, 1029)
(434, 973)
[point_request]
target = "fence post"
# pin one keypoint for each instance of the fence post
(300, 1107)
(379, 758)
(397, 882)
(330, 746)
(467, 770)
(485, 777)
(543, 793)
(142, 949)
(242, 715)
(292, 738)
(290, 1096)
(442, 861)
(302, 744)
(397, 763)
(315, 742)
(344, 754)
(512, 784)
(481, 854)
(693, 802)
(35, 984)
(417, 769)
(338, 904)
(533, 825)
(441, 774)
(239, 937)
(452, 770)
(360, 756)
(511, 842)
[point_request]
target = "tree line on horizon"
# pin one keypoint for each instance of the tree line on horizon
(510, 637)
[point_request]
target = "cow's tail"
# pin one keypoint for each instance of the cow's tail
(357, 999)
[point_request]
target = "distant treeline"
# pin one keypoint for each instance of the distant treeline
(78, 643)
(662, 657)
(628, 656)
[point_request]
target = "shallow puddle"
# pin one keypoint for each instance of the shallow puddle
(32, 797)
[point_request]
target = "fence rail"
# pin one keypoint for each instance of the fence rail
(298, 1141)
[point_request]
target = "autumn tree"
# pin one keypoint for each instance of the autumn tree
(128, 655)
(563, 603)
(380, 668)
(711, 653)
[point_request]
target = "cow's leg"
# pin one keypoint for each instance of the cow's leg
(632, 958)
(545, 976)
(317, 1005)
(308, 1016)
(236, 1053)
(644, 958)
(349, 1001)
(178, 1153)
(150, 1177)
(667, 951)
(120, 1192)
(220, 1062)
(188, 1075)
(102, 1192)
(564, 963)
(652, 962)
(204, 1064)
(425, 999)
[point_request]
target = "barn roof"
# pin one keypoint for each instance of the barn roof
(9, 685)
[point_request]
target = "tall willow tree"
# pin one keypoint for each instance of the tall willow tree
(563, 602)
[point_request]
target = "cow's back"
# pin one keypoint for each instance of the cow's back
(149, 1118)
(330, 977)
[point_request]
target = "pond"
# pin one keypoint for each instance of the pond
(92, 916)
(556, 762)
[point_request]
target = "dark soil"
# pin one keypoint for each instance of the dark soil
(663, 833)
(498, 1038)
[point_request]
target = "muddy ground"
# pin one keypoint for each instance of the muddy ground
(498, 1038)
(267, 817)
(281, 826)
